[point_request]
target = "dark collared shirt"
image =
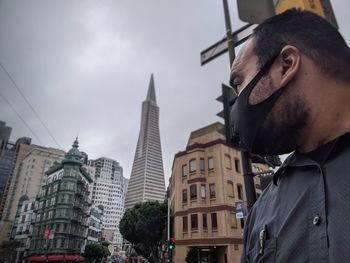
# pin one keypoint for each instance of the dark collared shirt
(304, 214)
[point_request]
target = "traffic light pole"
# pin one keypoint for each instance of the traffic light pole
(246, 161)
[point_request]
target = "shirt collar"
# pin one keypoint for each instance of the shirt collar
(297, 159)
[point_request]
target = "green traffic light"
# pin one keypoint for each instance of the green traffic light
(171, 247)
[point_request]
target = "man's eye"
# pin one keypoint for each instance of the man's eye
(237, 87)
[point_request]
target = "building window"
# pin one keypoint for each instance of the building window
(239, 191)
(242, 223)
(192, 165)
(233, 220)
(212, 190)
(214, 222)
(50, 214)
(184, 224)
(194, 222)
(205, 222)
(203, 191)
(237, 165)
(184, 195)
(184, 170)
(228, 163)
(210, 163)
(230, 189)
(201, 164)
(193, 191)
(55, 187)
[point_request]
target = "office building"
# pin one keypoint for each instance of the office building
(147, 174)
(108, 191)
(205, 186)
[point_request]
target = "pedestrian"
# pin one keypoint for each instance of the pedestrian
(292, 78)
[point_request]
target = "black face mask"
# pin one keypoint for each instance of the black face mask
(247, 119)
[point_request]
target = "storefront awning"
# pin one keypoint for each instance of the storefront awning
(42, 258)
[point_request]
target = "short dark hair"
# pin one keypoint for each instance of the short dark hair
(311, 34)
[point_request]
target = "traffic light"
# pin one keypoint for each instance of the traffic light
(227, 98)
(171, 244)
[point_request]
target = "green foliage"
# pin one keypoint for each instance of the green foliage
(192, 256)
(143, 226)
(96, 251)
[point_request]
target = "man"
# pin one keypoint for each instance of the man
(293, 81)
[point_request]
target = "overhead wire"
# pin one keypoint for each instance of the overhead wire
(29, 104)
(19, 116)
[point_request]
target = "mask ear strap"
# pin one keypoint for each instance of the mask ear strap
(262, 72)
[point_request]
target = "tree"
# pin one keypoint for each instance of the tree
(192, 256)
(96, 252)
(143, 225)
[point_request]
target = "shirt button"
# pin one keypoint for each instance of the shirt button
(316, 221)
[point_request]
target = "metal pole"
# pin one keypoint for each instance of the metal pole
(168, 226)
(170, 253)
(230, 46)
(246, 162)
(248, 179)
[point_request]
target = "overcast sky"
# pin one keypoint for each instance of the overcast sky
(85, 67)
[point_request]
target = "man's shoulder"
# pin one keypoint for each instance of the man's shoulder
(264, 201)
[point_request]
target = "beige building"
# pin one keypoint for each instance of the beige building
(28, 177)
(205, 184)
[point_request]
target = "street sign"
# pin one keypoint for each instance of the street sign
(220, 47)
(321, 7)
(255, 11)
(241, 209)
(310, 5)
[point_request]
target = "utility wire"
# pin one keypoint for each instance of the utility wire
(31, 107)
(19, 116)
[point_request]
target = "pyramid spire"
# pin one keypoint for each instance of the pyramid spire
(151, 94)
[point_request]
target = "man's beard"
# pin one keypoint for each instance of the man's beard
(281, 131)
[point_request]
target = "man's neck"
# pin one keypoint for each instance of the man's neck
(330, 114)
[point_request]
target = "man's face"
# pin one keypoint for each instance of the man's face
(280, 132)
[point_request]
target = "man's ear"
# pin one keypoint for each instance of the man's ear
(290, 59)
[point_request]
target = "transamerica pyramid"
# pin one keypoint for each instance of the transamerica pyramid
(147, 174)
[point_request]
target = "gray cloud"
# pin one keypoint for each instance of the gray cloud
(85, 66)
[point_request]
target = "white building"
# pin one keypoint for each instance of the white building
(108, 191)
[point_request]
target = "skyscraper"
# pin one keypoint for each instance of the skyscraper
(108, 191)
(147, 174)
(11, 154)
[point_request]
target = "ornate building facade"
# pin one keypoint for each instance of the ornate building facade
(62, 218)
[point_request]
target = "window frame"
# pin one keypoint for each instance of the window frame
(184, 170)
(210, 163)
(237, 165)
(202, 164)
(203, 191)
(212, 192)
(184, 224)
(194, 219)
(214, 219)
(204, 221)
(193, 186)
(240, 192)
(184, 196)
(194, 163)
